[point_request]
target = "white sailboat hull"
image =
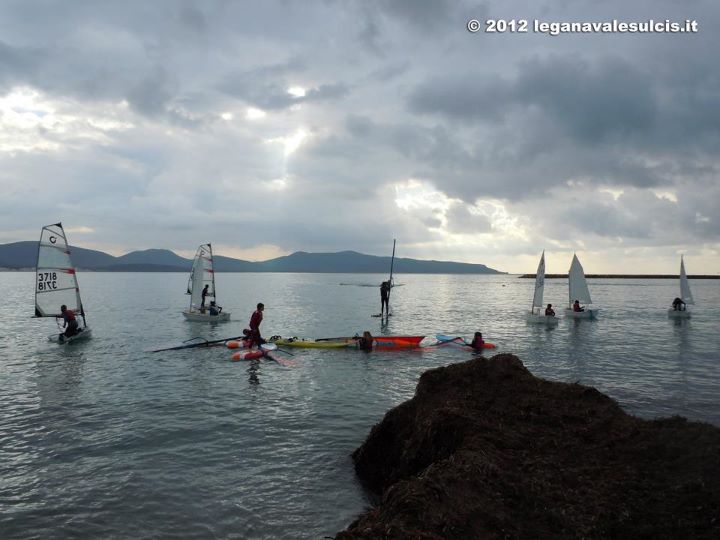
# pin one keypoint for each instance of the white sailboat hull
(677, 314)
(60, 339)
(536, 318)
(589, 313)
(196, 316)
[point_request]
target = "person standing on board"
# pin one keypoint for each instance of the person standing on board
(203, 294)
(255, 320)
(70, 324)
(385, 297)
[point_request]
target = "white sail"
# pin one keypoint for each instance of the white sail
(202, 274)
(539, 283)
(578, 289)
(685, 293)
(55, 278)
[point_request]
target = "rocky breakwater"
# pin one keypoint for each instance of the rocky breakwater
(487, 450)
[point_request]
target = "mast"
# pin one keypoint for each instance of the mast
(392, 261)
(212, 270)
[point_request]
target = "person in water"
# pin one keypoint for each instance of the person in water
(549, 311)
(214, 310)
(365, 343)
(576, 307)
(678, 304)
(255, 320)
(385, 297)
(203, 294)
(70, 324)
(478, 343)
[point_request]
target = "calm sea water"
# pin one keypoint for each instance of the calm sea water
(104, 439)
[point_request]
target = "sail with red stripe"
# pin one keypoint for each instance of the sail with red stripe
(56, 281)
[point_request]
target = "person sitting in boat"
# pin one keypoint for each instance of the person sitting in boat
(214, 310)
(576, 307)
(678, 304)
(478, 343)
(70, 324)
(549, 311)
(365, 343)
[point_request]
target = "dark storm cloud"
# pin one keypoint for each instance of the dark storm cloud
(606, 101)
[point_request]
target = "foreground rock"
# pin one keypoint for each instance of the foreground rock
(487, 450)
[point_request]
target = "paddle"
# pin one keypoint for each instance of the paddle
(204, 343)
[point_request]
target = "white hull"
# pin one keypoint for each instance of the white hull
(196, 316)
(84, 334)
(587, 314)
(676, 314)
(534, 318)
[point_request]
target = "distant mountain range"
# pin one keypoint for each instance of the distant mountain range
(22, 255)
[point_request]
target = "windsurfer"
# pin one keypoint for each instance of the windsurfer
(70, 324)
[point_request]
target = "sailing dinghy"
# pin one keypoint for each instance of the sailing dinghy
(202, 274)
(56, 282)
(537, 310)
(578, 290)
(685, 295)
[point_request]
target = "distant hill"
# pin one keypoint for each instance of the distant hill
(23, 255)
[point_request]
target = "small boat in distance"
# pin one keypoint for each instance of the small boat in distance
(537, 309)
(56, 283)
(203, 275)
(578, 291)
(679, 309)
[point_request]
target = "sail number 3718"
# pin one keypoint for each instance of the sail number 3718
(47, 281)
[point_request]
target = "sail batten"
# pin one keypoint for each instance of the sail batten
(577, 285)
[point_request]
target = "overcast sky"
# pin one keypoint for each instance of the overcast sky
(271, 127)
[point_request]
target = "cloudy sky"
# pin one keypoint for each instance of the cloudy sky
(276, 126)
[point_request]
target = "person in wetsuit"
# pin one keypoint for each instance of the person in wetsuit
(365, 343)
(255, 320)
(70, 324)
(385, 297)
(478, 343)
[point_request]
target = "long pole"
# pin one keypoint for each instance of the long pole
(392, 262)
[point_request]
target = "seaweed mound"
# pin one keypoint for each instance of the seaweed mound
(487, 450)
